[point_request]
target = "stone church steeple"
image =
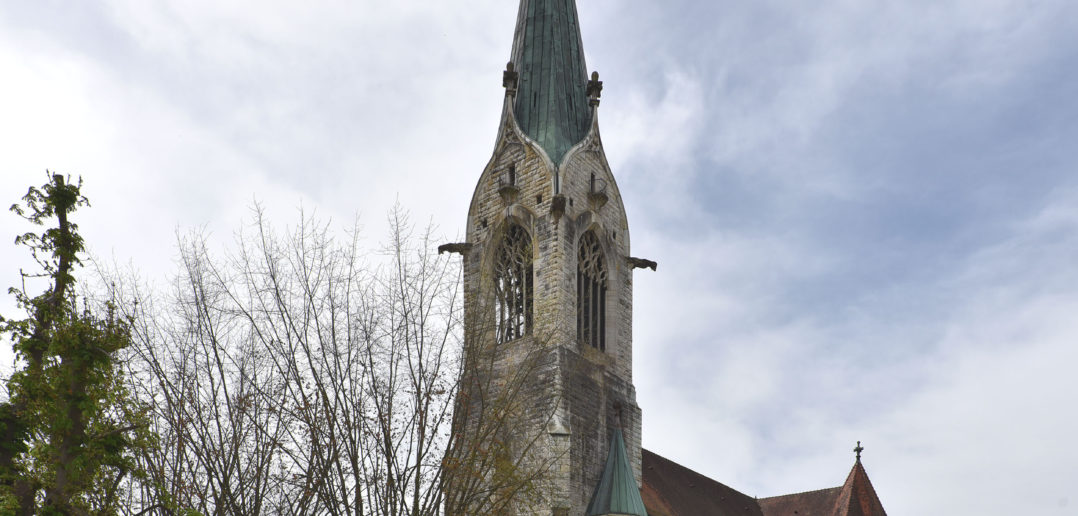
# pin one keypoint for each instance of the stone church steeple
(551, 99)
(548, 277)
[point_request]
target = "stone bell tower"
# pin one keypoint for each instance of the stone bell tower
(548, 278)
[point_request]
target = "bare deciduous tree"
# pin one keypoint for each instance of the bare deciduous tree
(298, 376)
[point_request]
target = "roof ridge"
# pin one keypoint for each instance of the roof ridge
(803, 492)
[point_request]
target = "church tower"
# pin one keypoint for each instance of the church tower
(548, 282)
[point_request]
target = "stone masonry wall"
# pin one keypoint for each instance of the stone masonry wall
(586, 393)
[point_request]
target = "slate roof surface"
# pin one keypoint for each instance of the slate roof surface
(551, 100)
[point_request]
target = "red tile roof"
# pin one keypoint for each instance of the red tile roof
(863, 500)
(855, 497)
(824, 502)
(671, 489)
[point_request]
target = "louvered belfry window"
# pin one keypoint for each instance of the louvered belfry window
(513, 284)
(591, 293)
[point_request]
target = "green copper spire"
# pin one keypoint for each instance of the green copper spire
(551, 101)
(617, 492)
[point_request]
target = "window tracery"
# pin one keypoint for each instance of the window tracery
(591, 284)
(513, 284)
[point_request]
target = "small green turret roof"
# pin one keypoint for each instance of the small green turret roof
(551, 103)
(617, 492)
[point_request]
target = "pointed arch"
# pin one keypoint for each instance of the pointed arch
(591, 287)
(513, 284)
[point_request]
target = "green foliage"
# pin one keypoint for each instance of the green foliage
(69, 427)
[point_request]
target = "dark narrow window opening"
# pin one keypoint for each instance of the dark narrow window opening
(591, 286)
(513, 285)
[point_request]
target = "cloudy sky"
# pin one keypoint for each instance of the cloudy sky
(865, 213)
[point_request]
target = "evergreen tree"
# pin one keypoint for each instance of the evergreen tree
(68, 428)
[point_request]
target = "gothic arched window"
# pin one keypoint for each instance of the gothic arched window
(591, 293)
(513, 284)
